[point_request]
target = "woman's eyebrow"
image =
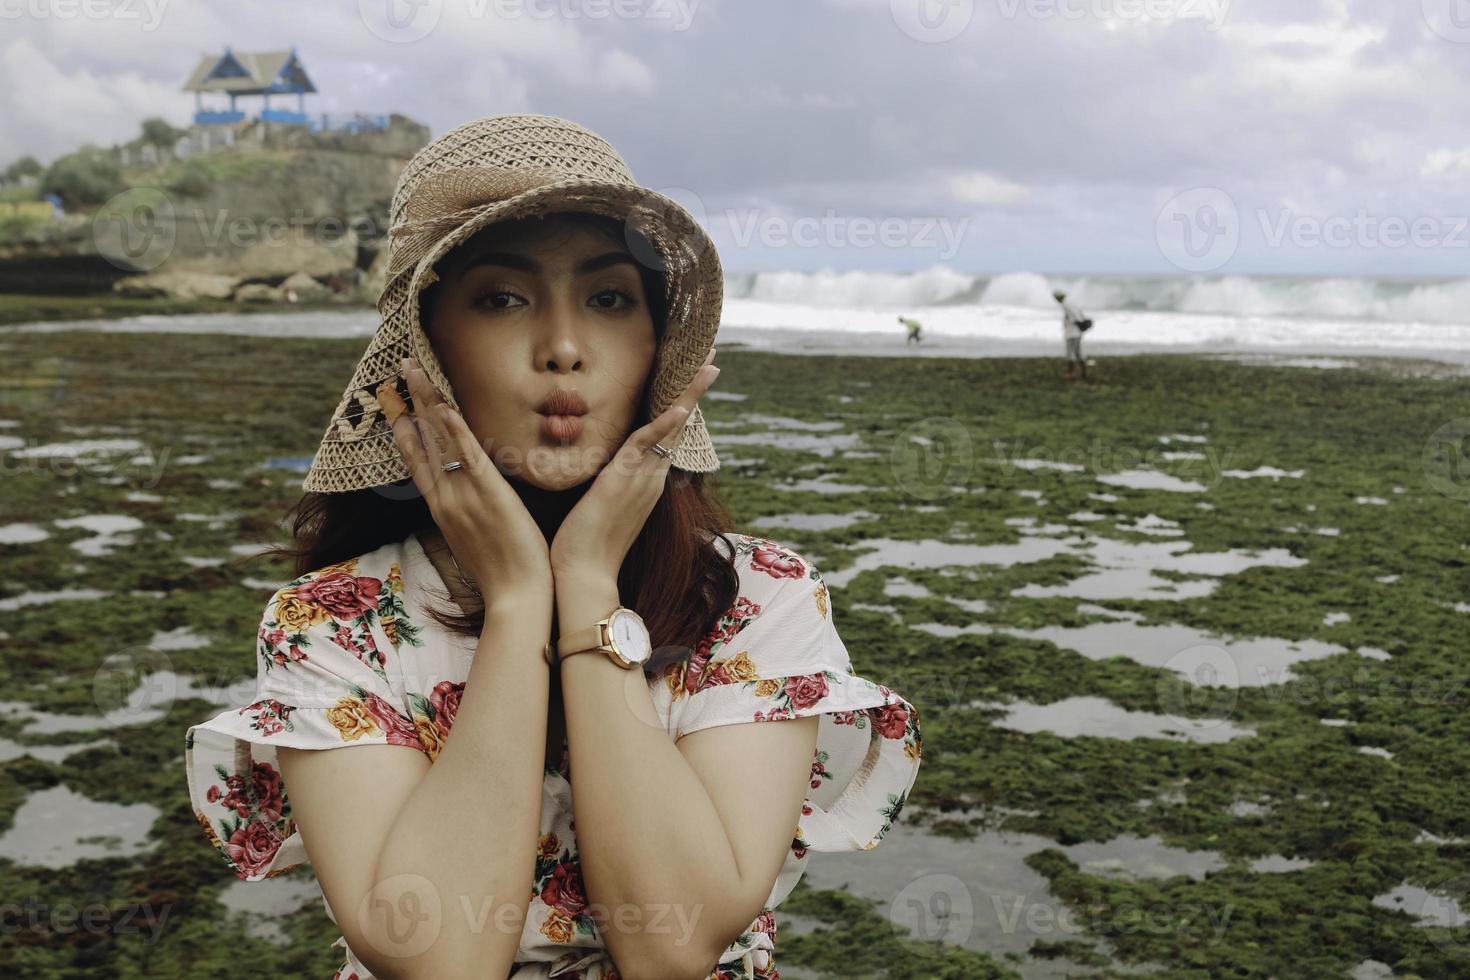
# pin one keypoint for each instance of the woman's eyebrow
(515, 260)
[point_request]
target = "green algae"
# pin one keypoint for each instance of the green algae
(1360, 818)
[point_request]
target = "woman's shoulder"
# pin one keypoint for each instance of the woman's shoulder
(383, 563)
(351, 602)
(760, 558)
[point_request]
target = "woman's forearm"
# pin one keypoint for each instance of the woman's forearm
(652, 847)
(469, 830)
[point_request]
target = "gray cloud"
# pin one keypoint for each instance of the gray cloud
(1319, 108)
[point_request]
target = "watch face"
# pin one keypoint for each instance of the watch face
(631, 636)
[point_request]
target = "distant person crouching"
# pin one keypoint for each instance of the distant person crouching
(1074, 324)
(914, 329)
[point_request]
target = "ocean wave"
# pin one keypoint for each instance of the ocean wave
(1339, 298)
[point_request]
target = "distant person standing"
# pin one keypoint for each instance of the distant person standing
(914, 328)
(1074, 324)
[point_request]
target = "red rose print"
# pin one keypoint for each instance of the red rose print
(891, 720)
(400, 730)
(235, 798)
(805, 690)
(344, 596)
(252, 846)
(263, 796)
(266, 785)
(819, 771)
(563, 890)
(445, 699)
(776, 563)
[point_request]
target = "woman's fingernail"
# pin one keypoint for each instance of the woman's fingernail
(389, 400)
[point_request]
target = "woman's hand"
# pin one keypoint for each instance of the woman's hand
(493, 537)
(597, 534)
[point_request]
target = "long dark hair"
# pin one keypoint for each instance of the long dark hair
(675, 575)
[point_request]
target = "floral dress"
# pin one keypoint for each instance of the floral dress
(348, 656)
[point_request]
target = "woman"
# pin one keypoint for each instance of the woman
(550, 323)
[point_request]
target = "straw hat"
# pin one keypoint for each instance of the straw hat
(494, 169)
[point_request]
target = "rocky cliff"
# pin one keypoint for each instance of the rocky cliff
(283, 213)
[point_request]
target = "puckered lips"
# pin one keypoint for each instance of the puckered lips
(561, 414)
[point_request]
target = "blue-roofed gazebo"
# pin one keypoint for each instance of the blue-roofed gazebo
(242, 73)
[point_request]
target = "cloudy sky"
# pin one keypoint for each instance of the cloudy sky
(1055, 136)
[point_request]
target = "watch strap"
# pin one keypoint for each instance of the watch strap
(584, 640)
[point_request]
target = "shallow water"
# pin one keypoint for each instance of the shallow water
(1096, 717)
(109, 532)
(936, 554)
(1430, 908)
(1151, 480)
(980, 893)
(1127, 570)
(822, 485)
(258, 904)
(56, 827)
(812, 522)
(22, 534)
(1251, 661)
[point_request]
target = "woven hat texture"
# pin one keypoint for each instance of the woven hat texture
(495, 169)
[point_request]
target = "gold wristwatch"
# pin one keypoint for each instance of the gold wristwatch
(623, 636)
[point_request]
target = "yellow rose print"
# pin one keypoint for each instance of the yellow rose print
(350, 717)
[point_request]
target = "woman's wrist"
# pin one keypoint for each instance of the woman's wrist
(519, 605)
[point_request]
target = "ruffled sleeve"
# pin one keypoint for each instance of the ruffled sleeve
(321, 683)
(777, 655)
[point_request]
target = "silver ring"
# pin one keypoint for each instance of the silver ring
(452, 465)
(662, 451)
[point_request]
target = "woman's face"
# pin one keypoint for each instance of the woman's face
(534, 305)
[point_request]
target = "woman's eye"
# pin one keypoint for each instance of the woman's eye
(607, 299)
(497, 299)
